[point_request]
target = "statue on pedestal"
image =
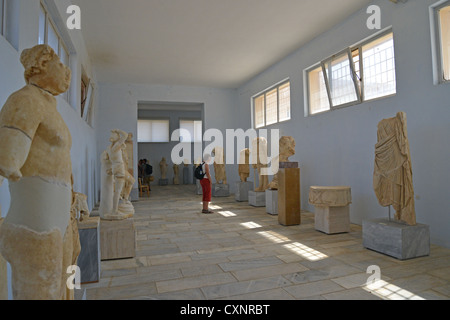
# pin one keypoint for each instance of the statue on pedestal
(287, 149)
(176, 177)
(113, 176)
(244, 165)
(260, 161)
(163, 166)
(219, 165)
(39, 235)
(392, 177)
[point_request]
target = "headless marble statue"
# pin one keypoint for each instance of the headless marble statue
(244, 165)
(260, 161)
(219, 165)
(392, 178)
(163, 167)
(37, 237)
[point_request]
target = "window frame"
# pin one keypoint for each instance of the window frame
(167, 120)
(62, 46)
(264, 94)
(3, 17)
(359, 83)
(436, 29)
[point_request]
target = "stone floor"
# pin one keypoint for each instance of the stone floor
(242, 253)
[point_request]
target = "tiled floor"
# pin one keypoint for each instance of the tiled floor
(241, 252)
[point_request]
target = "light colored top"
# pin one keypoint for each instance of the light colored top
(339, 196)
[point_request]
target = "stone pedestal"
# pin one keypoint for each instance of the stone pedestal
(117, 239)
(396, 239)
(163, 182)
(289, 194)
(242, 189)
(89, 258)
(332, 208)
(187, 176)
(198, 189)
(220, 190)
(257, 199)
(272, 202)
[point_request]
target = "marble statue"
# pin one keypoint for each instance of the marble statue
(163, 166)
(125, 205)
(113, 177)
(244, 165)
(39, 235)
(80, 206)
(176, 177)
(219, 165)
(260, 161)
(287, 149)
(3, 267)
(392, 178)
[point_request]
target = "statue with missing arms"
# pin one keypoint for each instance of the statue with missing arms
(38, 235)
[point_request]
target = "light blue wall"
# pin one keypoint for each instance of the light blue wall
(337, 148)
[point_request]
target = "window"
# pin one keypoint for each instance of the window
(153, 131)
(273, 105)
(444, 40)
(48, 34)
(357, 74)
(191, 131)
(9, 16)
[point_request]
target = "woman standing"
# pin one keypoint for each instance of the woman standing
(206, 184)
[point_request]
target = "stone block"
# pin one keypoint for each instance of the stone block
(117, 239)
(242, 189)
(89, 257)
(289, 196)
(332, 220)
(163, 182)
(272, 202)
(396, 239)
(220, 190)
(257, 199)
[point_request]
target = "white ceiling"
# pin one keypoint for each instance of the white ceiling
(213, 43)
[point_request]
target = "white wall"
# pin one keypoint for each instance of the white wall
(118, 109)
(83, 153)
(337, 148)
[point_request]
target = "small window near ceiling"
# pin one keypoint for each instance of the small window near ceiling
(444, 24)
(9, 18)
(153, 131)
(360, 73)
(273, 105)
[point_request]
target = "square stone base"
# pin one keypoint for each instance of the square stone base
(163, 182)
(272, 202)
(89, 257)
(198, 189)
(332, 220)
(117, 239)
(220, 190)
(396, 239)
(242, 189)
(257, 199)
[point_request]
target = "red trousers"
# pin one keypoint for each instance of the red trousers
(206, 188)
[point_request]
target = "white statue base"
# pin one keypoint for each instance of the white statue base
(257, 199)
(220, 190)
(117, 239)
(396, 239)
(242, 189)
(272, 202)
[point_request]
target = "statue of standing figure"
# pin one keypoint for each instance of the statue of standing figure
(244, 165)
(260, 161)
(39, 236)
(163, 167)
(287, 149)
(113, 176)
(219, 165)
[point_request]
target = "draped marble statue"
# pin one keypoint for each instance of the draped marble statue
(287, 149)
(392, 178)
(39, 236)
(163, 167)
